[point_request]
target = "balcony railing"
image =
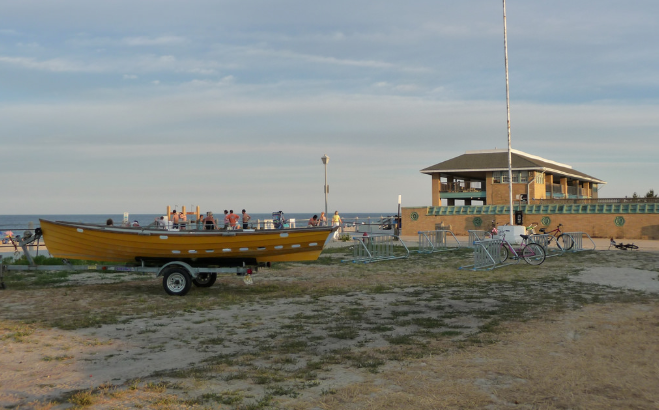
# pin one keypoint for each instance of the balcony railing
(593, 201)
(458, 187)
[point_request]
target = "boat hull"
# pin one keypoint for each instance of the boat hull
(134, 244)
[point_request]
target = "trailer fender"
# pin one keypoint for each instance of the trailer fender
(191, 271)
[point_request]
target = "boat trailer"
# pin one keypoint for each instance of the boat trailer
(178, 276)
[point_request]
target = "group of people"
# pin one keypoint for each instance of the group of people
(179, 220)
(322, 221)
(230, 220)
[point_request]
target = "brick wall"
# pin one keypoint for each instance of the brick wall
(636, 226)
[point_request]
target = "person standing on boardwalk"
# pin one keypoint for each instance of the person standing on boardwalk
(209, 222)
(322, 221)
(233, 219)
(226, 219)
(182, 220)
(336, 221)
(174, 218)
(246, 219)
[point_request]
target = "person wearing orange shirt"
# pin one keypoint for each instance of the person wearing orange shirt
(233, 220)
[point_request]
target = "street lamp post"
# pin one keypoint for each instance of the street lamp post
(325, 159)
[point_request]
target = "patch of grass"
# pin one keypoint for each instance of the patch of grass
(282, 391)
(241, 375)
(87, 319)
(450, 333)
(82, 398)
(380, 288)
(368, 361)
(266, 376)
(159, 387)
(56, 358)
(428, 322)
(17, 333)
(345, 332)
(293, 326)
(228, 397)
(293, 346)
(262, 403)
(212, 341)
(400, 339)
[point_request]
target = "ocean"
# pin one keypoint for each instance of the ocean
(18, 222)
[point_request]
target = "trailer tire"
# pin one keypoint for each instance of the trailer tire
(205, 280)
(176, 280)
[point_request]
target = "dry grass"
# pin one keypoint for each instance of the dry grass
(402, 334)
(599, 357)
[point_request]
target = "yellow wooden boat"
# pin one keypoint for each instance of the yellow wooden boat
(152, 246)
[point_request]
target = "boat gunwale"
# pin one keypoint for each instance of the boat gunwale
(139, 230)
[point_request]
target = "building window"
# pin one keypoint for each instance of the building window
(501, 177)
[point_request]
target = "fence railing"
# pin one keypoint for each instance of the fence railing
(373, 248)
(578, 241)
(594, 201)
(487, 255)
(548, 242)
(475, 236)
(437, 241)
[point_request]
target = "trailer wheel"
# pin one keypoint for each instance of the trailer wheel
(205, 280)
(176, 280)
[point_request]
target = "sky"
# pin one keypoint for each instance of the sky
(130, 106)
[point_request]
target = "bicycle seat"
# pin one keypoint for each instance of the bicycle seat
(543, 230)
(525, 237)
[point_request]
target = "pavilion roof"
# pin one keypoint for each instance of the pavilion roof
(474, 162)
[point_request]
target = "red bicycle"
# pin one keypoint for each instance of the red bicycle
(564, 242)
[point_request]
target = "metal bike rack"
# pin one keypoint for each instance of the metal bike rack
(577, 238)
(475, 236)
(544, 240)
(436, 241)
(374, 248)
(487, 255)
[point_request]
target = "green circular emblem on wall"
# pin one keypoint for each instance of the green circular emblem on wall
(545, 221)
(414, 216)
(478, 221)
(619, 221)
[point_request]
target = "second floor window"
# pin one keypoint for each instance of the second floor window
(501, 177)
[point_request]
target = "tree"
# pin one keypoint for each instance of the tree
(635, 195)
(651, 194)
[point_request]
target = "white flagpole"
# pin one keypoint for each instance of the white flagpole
(510, 165)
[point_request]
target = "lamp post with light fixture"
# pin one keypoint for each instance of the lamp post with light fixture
(325, 159)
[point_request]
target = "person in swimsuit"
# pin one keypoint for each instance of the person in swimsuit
(209, 222)
(246, 219)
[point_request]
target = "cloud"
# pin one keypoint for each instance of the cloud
(319, 59)
(141, 63)
(53, 65)
(154, 41)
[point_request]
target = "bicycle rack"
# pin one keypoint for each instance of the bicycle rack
(577, 238)
(435, 241)
(375, 248)
(487, 255)
(475, 236)
(544, 241)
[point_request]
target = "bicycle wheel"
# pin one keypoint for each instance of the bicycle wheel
(503, 253)
(533, 254)
(565, 242)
